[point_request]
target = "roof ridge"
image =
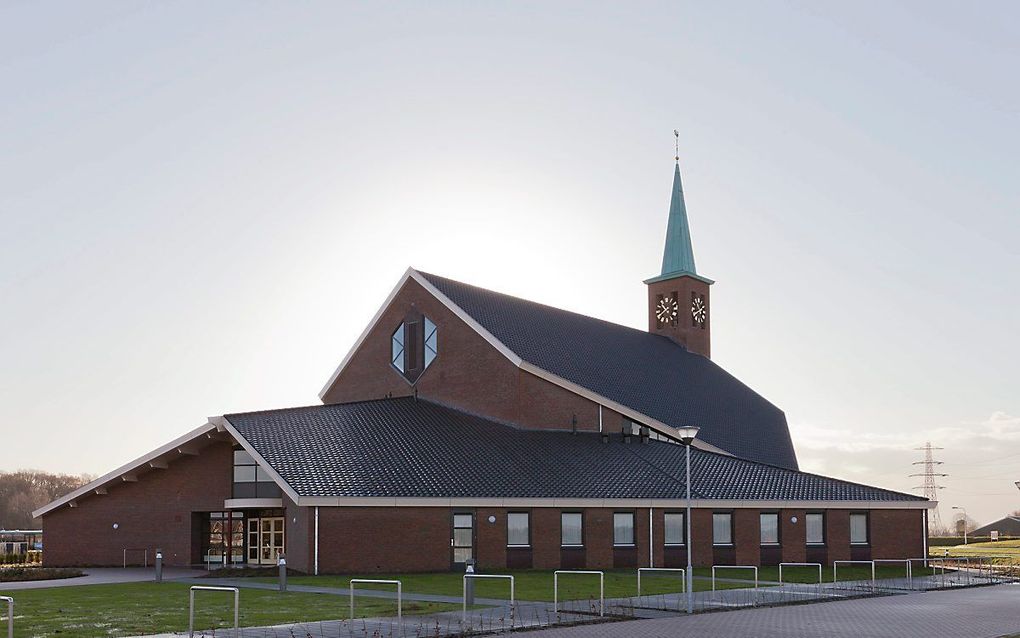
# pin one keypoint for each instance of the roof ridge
(550, 307)
(318, 405)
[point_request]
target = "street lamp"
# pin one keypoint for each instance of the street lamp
(687, 434)
(964, 510)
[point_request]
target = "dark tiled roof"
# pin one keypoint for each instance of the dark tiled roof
(407, 448)
(647, 373)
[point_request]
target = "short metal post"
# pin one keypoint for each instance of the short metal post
(282, 562)
(10, 615)
(159, 565)
(469, 584)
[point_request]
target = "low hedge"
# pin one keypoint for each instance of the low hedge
(18, 574)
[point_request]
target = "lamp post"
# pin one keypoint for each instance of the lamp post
(964, 510)
(687, 434)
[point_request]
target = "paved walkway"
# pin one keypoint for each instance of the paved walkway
(105, 576)
(981, 612)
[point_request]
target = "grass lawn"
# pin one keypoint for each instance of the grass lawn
(997, 548)
(146, 608)
(538, 584)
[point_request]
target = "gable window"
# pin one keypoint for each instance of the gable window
(397, 348)
(518, 533)
(722, 528)
(814, 522)
(675, 531)
(859, 528)
(571, 529)
(623, 528)
(414, 345)
(769, 528)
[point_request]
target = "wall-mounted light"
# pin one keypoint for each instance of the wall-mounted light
(116, 525)
(492, 519)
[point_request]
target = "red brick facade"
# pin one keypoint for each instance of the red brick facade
(388, 539)
(154, 512)
(469, 374)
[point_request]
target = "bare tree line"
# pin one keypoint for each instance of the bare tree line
(24, 491)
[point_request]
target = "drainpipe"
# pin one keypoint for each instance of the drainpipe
(316, 551)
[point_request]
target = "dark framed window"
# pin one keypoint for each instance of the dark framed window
(518, 529)
(722, 528)
(250, 479)
(572, 529)
(623, 528)
(676, 529)
(414, 345)
(859, 528)
(769, 528)
(814, 523)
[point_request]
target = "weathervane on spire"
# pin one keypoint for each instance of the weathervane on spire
(676, 134)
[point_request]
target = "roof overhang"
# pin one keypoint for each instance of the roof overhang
(513, 357)
(322, 501)
(222, 421)
(128, 473)
(674, 275)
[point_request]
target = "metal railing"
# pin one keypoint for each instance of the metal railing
(682, 571)
(145, 555)
(602, 587)
(819, 565)
(400, 589)
(910, 576)
(10, 615)
(715, 567)
(237, 607)
(853, 562)
(499, 576)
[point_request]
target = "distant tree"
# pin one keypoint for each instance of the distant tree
(1015, 513)
(24, 491)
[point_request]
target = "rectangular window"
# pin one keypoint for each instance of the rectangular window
(859, 529)
(815, 524)
(517, 529)
(571, 530)
(244, 473)
(722, 528)
(623, 528)
(675, 530)
(769, 528)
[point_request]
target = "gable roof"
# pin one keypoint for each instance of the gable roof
(407, 448)
(649, 374)
(1009, 526)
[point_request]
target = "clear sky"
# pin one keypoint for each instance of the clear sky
(203, 204)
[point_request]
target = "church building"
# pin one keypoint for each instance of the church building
(470, 424)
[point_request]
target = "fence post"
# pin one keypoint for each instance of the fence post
(159, 565)
(10, 615)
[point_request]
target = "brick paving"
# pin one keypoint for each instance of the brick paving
(980, 612)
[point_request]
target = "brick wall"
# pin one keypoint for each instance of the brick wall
(468, 373)
(384, 539)
(693, 338)
(897, 534)
(156, 511)
(793, 536)
(747, 536)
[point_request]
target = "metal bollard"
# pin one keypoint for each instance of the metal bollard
(282, 562)
(159, 565)
(469, 587)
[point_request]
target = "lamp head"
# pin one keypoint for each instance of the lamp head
(1017, 483)
(687, 434)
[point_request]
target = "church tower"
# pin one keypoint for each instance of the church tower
(678, 304)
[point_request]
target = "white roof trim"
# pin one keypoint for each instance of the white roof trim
(461, 314)
(288, 490)
(323, 501)
(364, 335)
(124, 470)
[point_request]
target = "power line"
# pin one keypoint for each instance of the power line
(931, 487)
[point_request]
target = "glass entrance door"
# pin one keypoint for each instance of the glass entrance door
(463, 541)
(265, 540)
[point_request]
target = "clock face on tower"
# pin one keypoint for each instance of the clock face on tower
(667, 309)
(699, 311)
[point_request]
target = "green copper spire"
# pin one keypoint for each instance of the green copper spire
(678, 256)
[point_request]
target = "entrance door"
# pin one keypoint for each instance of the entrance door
(463, 541)
(265, 540)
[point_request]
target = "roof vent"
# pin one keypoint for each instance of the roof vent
(626, 433)
(644, 434)
(605, 437)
